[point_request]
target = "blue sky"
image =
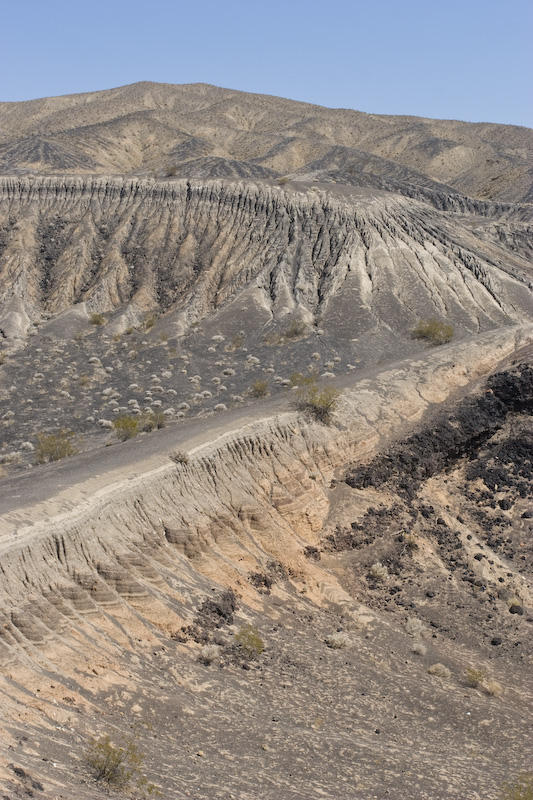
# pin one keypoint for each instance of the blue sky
(468, 60)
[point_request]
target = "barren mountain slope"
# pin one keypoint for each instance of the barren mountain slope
(270, 603)
(205, 131)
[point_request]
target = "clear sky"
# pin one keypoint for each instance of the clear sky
(448, 59)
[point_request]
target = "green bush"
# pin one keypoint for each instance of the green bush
(433, 331)
(520, 789)
(249, 641)
(318, 403)
(54, 446)
(475, 677)
(127, 426)
(297, 379)
(258, 389)
(120, 766)
(97, 319)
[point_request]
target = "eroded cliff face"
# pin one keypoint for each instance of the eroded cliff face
(194, 247)
(112, 585)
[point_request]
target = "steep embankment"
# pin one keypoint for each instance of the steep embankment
(113, 594)
(195, 246)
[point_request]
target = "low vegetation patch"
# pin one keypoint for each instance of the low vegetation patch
(258, 389)
(337, 640)
(439, 670)
(127, 427)
(378, 572)
(433, 331)
(250, 643)
(296, 329)
(120, 766)
(179, 457)
(318, 403)
(519, 789)
(97, 319)
(475, 677)
(54, 446)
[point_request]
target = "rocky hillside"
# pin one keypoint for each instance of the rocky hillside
(202, 131)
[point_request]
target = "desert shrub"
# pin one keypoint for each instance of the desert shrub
(296, 328)
(318, 403)
(258, 389)
(475, 677)
(3, 358)
(126, 426)
(299, 380)
(439, 670)
(249, 641)
(153, 421)
(418, 649)
(337, 640)
(378, 572)
(493, 688)
(97, 319)
(170, 172)
(433, 331)
(208, 654)
(179, 457)
(150, 321)
(519, 789)
(54, 446)
(120, 766)
(282, 181)
(410, 542)
(236, 343)
(414, 626)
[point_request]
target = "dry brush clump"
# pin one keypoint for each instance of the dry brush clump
(433, 331)
(338, 640)
(208, 654)
(179, 457)
(439, 670)
(378, 572)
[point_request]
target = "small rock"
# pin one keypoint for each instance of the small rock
(496, 640)
(516, 610)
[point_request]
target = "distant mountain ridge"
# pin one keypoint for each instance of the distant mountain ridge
(202, 131)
